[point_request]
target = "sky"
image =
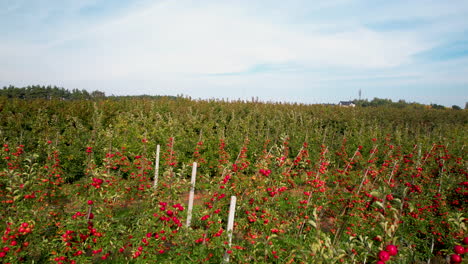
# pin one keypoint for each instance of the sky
(311, 51)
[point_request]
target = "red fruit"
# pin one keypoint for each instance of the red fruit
(465, 241)
(380, 262)
(392, 250)
(384, 255)
(389, 197)
(459, 249)
(454, 259)
(90, 202)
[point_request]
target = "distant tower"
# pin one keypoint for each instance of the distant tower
(359, 94)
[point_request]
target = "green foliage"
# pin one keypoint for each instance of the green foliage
(379, 102)
(436, 106)
(314, 184)
(113, 123)
(48, 92)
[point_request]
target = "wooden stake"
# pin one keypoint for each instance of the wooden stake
(89, 212)
(156, 168)
(191, 194)
(230, 225)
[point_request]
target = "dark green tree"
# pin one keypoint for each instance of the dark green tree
(48, 92)
(436, 106)
(98, 94)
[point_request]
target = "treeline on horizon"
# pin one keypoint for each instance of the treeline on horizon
(54, 92)
(379, 102)
(50, 92)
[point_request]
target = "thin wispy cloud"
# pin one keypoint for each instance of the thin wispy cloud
(276, 50)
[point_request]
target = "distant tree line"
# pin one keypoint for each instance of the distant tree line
(147, 97)
(48, 92)
(379, 102)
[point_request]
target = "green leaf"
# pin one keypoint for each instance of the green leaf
(379, 204)
(311, 222)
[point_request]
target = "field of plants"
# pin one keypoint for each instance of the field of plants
(314, 184)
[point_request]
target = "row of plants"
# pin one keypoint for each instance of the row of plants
(313, 184)
(106, 124)
(289, 209)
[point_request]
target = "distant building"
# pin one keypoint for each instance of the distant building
(346, 104)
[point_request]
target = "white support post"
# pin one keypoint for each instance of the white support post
(191, 194)
(156, 168)
(230, 225)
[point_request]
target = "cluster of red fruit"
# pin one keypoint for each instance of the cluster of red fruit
(459, 250)
(97, 183)
(272, 192)
(264, 172)
(11, 236)
(170, 215)
(226, 179)
(384, 255)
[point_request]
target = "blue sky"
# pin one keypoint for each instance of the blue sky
(319, 51)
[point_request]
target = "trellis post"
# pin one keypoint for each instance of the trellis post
(191, 194)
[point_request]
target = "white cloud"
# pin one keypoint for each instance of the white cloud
(170, 37)
(177, 46)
